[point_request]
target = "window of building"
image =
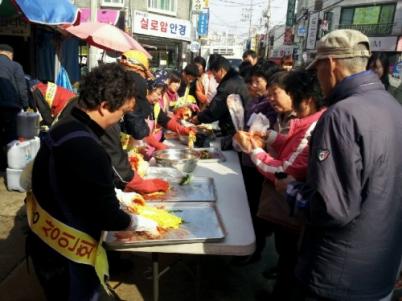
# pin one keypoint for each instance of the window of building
(168, 7)
(369, 19)
(374, 14)
(112, 3)
(347, 16)
(387, 13)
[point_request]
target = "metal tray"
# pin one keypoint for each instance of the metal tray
(215, 153)
(201, 222)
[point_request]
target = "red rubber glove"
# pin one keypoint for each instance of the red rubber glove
(140, 185)
(152, 141)
(174, 126)
(183, 113)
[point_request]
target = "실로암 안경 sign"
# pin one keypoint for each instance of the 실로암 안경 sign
(161, 26)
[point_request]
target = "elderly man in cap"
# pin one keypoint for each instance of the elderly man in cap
(352, 198)
(13, 98)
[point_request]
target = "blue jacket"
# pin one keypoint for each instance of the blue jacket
(13, 88)
(352, 246)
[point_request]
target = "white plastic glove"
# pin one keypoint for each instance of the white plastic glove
(140, 223)
(125, 198)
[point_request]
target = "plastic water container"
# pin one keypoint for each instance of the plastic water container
(13, 179)
(35, 145)
(27, 125)
(21, 152)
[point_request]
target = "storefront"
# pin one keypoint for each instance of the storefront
(16, 32)
(165, 38)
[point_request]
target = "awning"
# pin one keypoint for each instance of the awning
(109, 16)
(49, 12)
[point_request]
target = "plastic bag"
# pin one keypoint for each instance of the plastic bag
(236, 111)
(258, 123)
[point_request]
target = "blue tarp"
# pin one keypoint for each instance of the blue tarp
(63, 80)
(49, 12)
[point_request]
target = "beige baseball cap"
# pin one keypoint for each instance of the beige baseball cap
(341, 43)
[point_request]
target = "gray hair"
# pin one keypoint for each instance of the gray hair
(355, 64)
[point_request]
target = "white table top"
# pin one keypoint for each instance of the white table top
(232, 206)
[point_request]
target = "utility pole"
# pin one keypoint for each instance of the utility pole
(250, 19)
(267, 27)
(92, 50)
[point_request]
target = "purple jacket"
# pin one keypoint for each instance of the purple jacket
(258, 105)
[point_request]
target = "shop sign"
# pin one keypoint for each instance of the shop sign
(312, 31)
(14, 27)
(161, 26)
(195, 46)
(290, 15)
(203, 20)
(199, 5)
(288, 36)
(301, 31)
(383, 43)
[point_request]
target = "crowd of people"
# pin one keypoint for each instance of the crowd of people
(319, 151)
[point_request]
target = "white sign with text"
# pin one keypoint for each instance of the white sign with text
(312, 31)
(383, 43)
(161, 26)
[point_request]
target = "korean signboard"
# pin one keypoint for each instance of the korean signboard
(312, 31)
(288, 36)
(161, 26)
(203, 19)
(383, 43)
(199, 5)
(290, 15)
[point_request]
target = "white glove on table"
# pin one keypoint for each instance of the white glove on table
(140, 223)
(125, 198)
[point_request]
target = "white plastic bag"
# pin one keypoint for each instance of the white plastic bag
(258, 123)
(236, 111)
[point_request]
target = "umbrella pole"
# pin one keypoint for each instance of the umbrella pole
(92, 51)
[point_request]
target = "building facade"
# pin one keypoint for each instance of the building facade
(164, 28)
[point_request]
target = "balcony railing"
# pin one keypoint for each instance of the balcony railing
(370, 29)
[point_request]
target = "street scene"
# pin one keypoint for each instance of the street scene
(200, 150)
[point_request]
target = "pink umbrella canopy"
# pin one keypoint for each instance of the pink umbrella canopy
(105, 36)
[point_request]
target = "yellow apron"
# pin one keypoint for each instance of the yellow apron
(73, 244)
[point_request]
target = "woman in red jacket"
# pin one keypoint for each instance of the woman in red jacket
(278, 155)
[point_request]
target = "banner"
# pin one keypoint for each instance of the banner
(203, 20)
(199, 5)
(161, 26)
(290, 15)
(312, 31)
